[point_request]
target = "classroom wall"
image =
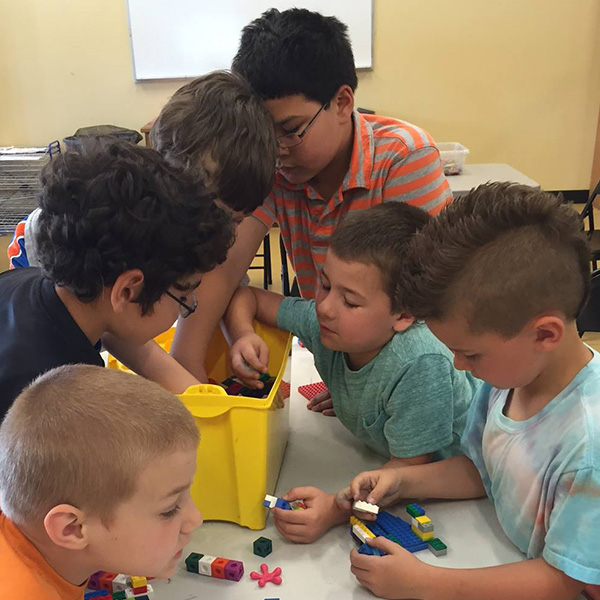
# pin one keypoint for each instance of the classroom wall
(516, 81)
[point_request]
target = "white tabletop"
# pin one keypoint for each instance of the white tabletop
(323, 453)
(474, 175)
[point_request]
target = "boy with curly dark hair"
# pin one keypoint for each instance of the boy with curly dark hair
(123, 240)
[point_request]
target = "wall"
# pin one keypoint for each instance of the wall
(516, 81)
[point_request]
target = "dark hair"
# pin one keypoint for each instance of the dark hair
(216, 123)
(296, 52)
(112, 207)
(500, 256)
(380, 236)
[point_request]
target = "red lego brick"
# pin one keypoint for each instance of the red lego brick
(312, 389)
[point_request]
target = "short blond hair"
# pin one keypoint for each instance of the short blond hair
(80, 435)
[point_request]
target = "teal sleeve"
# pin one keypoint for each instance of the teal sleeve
(300, 317)
(571, 543)
(421, 408)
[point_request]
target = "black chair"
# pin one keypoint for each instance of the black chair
(589, 316)
(266, 266)
(592, 233)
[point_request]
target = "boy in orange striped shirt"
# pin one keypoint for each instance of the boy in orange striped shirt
(332, 160)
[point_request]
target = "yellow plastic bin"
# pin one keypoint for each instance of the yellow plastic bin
(243, 439)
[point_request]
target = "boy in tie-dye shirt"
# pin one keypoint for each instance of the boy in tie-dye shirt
(499, 277)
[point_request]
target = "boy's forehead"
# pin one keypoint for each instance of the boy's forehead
(289, 107)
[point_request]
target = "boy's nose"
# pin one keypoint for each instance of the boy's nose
(460, 363)
(193, 521)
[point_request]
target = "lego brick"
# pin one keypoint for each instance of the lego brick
(204, 565)
(137, 582)
(397, 530)
(262, 546)
(297, 505)
(120, 583)
(94, 581)
(284, 504)
(191, 562)
(437, 547)
(105, 581)
(119, 595)
(217, 568)
(365, 507)
(234, 570)
(414, 510)
(312, 389)
(421, 535)
(97, 595)
(148, 595)
(269, 501)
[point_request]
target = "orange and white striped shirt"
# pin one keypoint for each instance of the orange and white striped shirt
(391, 160)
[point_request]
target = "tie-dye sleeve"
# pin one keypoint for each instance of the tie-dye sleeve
(571, 543)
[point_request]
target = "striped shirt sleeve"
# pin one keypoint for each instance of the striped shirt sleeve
(418, 179)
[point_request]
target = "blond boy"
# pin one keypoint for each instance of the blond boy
(95, 474)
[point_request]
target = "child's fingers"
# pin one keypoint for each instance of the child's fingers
(384, 544)
(329, 412)
(241, 364)
(344, 498)
(290, 517)
(304, 492)
(263, 358)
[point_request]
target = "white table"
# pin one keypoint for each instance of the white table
(474, 175)
(321, 452)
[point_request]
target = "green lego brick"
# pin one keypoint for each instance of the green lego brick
(119, 595)
(414, 510)
(437, 547)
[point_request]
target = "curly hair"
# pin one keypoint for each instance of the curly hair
(216, 120)
(380, 236)
(499, 256)
(112, 207)
(296, 52)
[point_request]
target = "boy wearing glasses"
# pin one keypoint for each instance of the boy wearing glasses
(332, 159)
(123, 240)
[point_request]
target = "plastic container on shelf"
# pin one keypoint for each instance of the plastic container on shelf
(243, 439)
(453, 156)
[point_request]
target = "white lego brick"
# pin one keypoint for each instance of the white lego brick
(271, 500)
(119, 583)
(360, 533)
(366, 507)
(149, 592)
(204, 565)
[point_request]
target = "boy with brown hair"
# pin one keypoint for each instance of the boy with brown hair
(500, 276)
(392, 383)
(332, 159)
(214, 124)
(95, 473)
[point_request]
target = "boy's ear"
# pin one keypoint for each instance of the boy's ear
(343, 103)
(403, 322)
(65, 527)
(548, 331)
(126, 289)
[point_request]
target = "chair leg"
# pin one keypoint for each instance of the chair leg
(285, 277)
(268, 276)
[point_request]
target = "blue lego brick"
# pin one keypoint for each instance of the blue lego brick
(399, 531)
(414, 510)
(281, 503)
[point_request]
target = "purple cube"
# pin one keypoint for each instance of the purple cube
(234, 569)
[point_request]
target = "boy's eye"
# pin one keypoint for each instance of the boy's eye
(349, 304)
(170, 513)
(471, 356)
(325, 286)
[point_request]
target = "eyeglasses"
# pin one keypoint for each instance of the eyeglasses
(185, 310)
(289, 140)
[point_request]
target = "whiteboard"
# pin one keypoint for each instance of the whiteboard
(172, 39)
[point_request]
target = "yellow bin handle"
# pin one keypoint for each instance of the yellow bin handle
(205, 389)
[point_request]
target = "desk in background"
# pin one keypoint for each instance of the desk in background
(474, 175)
(323, 453)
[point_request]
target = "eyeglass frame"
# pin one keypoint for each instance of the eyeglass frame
(185, 310)
(301, 135)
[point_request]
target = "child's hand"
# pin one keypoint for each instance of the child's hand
(305, 526)
(249, 357)
(397, 575)
(382, 487)
(322, 403)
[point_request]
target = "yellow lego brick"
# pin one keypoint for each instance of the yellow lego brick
(423, 520)
(358, 523)
(137, 582)
(422, 536)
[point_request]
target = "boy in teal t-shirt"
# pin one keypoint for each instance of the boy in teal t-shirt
(392, 382)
